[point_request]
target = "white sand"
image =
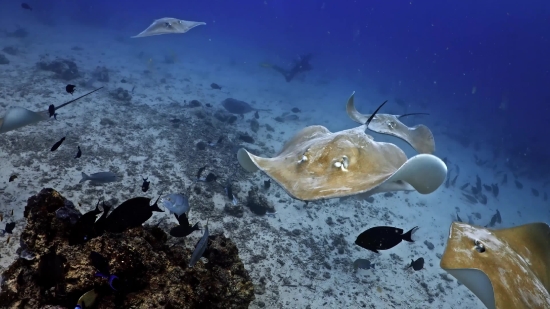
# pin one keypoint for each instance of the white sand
(293, 257)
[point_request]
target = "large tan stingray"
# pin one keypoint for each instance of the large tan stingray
(169, 25)
(419, 136)
(18, 117)
(506, 268)
(318, 164)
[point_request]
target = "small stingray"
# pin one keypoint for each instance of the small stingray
(169, 25)
(505, 268)
(318, 164)
(238, 107)
(419, 136)
(18, 117)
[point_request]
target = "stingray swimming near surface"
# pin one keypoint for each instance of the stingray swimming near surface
(238, 107)
(302, 65)
(169, 25)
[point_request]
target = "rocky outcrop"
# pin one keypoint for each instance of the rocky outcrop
(154, 275)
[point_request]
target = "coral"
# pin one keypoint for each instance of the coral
(63, 69)
(154, 274)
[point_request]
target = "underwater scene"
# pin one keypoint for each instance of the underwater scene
(274, 154)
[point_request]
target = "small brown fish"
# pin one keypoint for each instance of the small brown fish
(13, 177)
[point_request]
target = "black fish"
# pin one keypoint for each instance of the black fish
(363, 264)
(458, 218)
(51, 111)
(495, 189)
(238, 107)
(495, 219)
(256, 115)
(487, 187)
(482, 198)
(132, 213)
(454, 180)
(102, 266)
(70, 88)
(145, 185)
(230, 196)
(267, 184)
(12, 177)
(296, 110)
(246, 138)
(50, 269)
(475, 191)
(418, 264)
(211, 177)
(83, 230)
(470, 198)
(383, 238)
(78, 153)
(99, 226)
(519, 185)
(464, 186)
(184, 228)
(535, 192)
(9, 228)
(200, 172)
(26, 6)
(478, 183)
(56, 145)
(215, 86)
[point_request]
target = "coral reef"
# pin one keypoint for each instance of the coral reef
(121, 95)
(63, 69)
(154, 275)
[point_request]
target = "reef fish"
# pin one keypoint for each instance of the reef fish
(184, 228)
(383, 238)
(101, 177)
(132, 213)
(363, 264)
(176, 203)
(200, 247)
(418, 264)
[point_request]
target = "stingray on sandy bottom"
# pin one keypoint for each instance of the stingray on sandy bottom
(419, 136)
(18, 117)
(238, 107)
(505, 268)
(319, 164)
(169, 25)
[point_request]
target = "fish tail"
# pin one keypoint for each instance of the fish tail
(84, 178)
(372, 266)
(111, 279)
(408, 236)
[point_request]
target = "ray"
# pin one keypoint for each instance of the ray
(504, 268)
(419, 136)
(169, 25)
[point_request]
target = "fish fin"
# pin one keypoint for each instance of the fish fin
(408, 236)
(84, 178)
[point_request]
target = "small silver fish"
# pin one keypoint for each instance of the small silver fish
(200, 247)
(101, 177)
(176, 203)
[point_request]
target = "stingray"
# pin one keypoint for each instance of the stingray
(18, 117)
(168, 25)
(504, 268)
(419, 136)
(319, 164)
(235, 106)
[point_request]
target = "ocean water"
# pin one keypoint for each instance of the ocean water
(480, 70)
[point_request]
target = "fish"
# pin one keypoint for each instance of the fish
(130, 214)
(256, 115)
(87, 300)
(545, 196)
(286, 118)
(26, 6)
(470, 220)
(238, 107)
(519, 185)
(145, 185)
(12, 177)
(51, 111)
(230, 196)
(200, 247)
(458, 218)
(482, 198)
(103, 270)
(296, 110)
(495, 189)
(56, 145)
(447, 181)
(50, 269)
(78, 153)
(99, 178)
(475, 191)
(453, 182)
(267, 184)
(215, 86)
(184, 228)
(210, 177)
(383, 238)
(470, 198)
(246, 138)
(99, 226)
(464, 186)
(176, 203)
(535, 192)
(83, 229)
(487, 187)
(478, 183)
(363, 264)
(9, 228)
(200, 172)
(417, 265)
(70, 88)
(219, 142)
(504, 179)
(494, 219)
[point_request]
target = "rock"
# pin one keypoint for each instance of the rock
(257, 203)
(235, 211)
(429, 245)
(254, 125)
(121, 95)
(4, 59)
(154, 275)
(63, 69)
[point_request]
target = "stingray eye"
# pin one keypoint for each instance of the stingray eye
(180, 21)
(167, 25)
(480, 247)
(391, 124)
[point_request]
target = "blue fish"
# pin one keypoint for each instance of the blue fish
(176, 203)
(102, 265)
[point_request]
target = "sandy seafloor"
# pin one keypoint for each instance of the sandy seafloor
(295, 258)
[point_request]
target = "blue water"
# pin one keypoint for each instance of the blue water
(481, 69)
